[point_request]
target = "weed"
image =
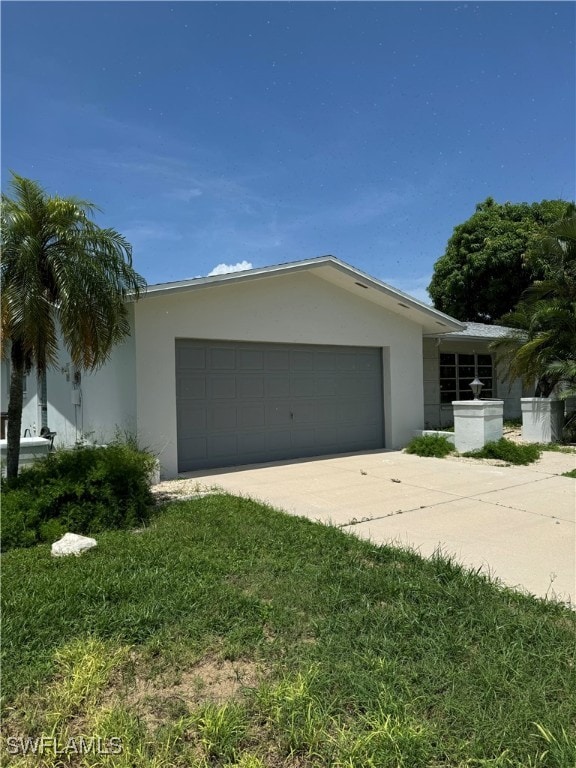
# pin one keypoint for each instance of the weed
(294, 710)
(436, 446)
(560, 749)
(557, 447)
(221, 729)
(508, 451)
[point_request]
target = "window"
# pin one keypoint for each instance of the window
(458, 370)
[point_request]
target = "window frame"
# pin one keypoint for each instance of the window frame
(462, 362)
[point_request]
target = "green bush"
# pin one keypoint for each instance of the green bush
(84, 490)
(430, 445)
(508, 451)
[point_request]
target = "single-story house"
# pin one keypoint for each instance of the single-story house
(307, 358)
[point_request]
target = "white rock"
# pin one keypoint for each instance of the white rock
(72, 544)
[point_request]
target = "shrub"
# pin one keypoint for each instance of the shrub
(84, 490)
(508, 451)
(437, 446)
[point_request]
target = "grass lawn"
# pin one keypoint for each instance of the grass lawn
(229, 634)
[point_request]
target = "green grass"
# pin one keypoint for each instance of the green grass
(572, 473)
(436, 446)
(508, 451)
(557, 447)
(340, 653)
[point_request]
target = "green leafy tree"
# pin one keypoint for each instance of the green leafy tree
(484, 271)
(542, 348)
(60, 272)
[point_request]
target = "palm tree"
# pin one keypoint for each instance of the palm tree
(542, 348)
(60, 274)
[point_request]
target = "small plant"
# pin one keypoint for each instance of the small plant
(435, 446)
(294, 710)
(572, 473)
(557, 447)
(508, 451)
(221, 728)
(84, 490)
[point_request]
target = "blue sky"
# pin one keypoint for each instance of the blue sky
(264, 132)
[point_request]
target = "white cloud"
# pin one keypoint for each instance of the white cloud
(223, 269)
(185, 195)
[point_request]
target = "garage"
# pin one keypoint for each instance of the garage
(242, 402)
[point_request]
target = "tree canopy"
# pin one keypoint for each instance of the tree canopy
(542, 349)
(488, 262)
(62, 276)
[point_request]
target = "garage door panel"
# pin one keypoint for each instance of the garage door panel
(326, 386)
(278, 440)
(278, 414)
(190, 358)
(347, 411)
(192, 417)
(192, 449)
(349, 386)
(222, 445)
(250, 386)
(366, 362)
(251, 415)
(303, 361)
(241, 402)
(303, 439)
(221, 387)
(302, 386)
(303, 412)
(222, 359)
(326, 438)
(323, 412)
(325, 360)
(277, 386)
(346, 361)
(191, 387)
(250, 359)
(222, 417)
(277, 360)
(252, 444)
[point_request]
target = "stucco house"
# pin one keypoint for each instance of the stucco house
(307, 358)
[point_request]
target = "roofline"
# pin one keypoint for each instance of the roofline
(298, 266)
(459, 337)
(472, 335)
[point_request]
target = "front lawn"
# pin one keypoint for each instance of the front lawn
(228, 633)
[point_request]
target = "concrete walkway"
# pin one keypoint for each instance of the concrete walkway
(518, 523)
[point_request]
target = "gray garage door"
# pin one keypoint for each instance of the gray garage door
(244, 403)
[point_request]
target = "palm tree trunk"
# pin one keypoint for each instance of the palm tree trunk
(15, 403)
(43, 398)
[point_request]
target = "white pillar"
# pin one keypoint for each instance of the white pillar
(477, 422)
(542, 419)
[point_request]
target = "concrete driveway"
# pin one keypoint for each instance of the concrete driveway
(518, 523)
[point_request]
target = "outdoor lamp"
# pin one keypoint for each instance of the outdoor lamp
(476, 387)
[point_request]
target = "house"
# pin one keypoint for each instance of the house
(306, 358)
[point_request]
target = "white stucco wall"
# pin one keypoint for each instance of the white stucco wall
(297, 308)
(107, 397)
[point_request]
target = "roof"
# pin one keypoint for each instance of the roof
(480, 331)
(336, 272)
